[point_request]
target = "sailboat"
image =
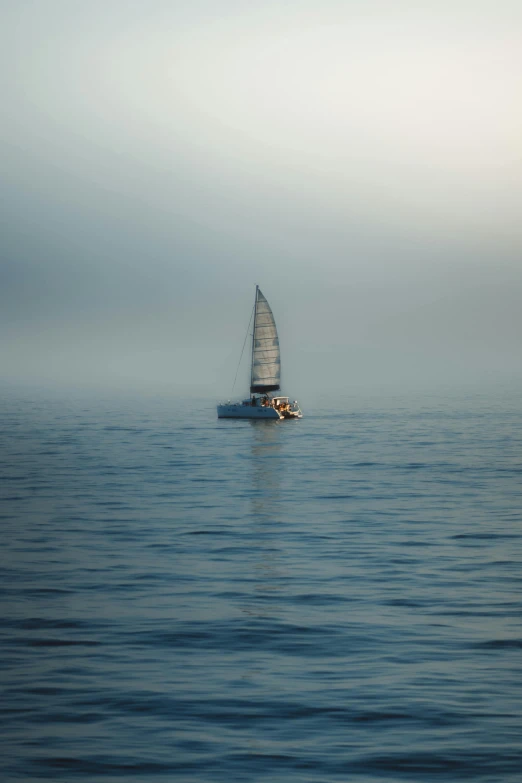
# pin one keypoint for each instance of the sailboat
(265, 373)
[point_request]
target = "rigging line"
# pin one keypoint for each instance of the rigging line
(242, 349)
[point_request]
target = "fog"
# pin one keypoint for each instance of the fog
(360, 161)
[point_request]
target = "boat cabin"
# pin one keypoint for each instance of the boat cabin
(266, 401)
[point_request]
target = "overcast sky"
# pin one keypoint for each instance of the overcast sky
(360, 161)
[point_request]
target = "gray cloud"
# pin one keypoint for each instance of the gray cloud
(361, 164)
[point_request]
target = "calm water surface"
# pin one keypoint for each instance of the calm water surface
(333, 599)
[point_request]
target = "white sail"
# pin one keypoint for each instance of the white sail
(266, 359)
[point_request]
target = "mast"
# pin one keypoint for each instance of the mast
(253, 339)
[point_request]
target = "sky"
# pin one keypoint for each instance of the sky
(360, 161)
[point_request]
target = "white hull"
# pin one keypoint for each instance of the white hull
(263, 408)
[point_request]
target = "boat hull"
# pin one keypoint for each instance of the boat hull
(239, 411)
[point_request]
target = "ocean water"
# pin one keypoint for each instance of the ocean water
(333, 599)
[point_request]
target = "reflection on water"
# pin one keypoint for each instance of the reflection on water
(265, 492)
(266, 467)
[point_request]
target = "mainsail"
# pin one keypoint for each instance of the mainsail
(266, 359)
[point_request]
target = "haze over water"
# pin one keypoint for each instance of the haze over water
(193, 599)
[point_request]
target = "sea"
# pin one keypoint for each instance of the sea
(198, 600)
